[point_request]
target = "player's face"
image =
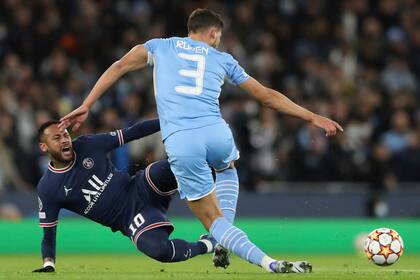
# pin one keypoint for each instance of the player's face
(57, 143)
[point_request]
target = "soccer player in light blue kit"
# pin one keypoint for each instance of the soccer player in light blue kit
(188, 75)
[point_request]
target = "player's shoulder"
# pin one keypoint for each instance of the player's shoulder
(83, 140)
(158, 42)
(158, 45)
(174, 38)
(43, 181)
(81, 143)
(222, 56)
(47, 181)
(225, 60)
(227, 57)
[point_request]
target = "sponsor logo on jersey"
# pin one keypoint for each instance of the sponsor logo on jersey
(92, 195)
(88, 163)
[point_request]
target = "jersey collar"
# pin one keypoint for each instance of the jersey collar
(64, 169)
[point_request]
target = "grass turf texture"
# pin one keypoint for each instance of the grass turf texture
(131, 266)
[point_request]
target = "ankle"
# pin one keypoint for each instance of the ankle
(265, 263)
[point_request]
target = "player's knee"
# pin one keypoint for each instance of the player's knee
(157, 250)
(162, 255)
(231, 165)
(209, 216)
(162, 177)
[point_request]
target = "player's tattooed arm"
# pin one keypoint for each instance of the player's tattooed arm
(135, 59)
(279, 102)
(48, 250)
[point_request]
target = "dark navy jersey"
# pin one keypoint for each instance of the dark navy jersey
(91, 186)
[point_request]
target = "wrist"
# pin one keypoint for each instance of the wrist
(310, 116)
(49, 263)
(87, 105)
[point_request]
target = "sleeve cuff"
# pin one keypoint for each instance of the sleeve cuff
(150, 61)
(120, 137)
(52, 224)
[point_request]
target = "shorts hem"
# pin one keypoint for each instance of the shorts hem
(153, 186)
(228, 164)
(201, 196)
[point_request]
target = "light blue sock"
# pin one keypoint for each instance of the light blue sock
(236, 240)
(227, 191)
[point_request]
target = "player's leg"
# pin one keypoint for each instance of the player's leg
(188, 161)
(231, 237)
(227, 191)
(222, 153)
(156, 244)
(160, 183)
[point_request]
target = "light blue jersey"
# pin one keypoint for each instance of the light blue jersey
(188, 76)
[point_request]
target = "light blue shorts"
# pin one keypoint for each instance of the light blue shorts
(191, 154)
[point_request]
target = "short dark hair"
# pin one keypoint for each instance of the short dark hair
(44, 126)
(204, 18)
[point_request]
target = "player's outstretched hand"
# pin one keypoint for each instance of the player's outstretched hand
(326, 124)
(48, 268)
(75, 118)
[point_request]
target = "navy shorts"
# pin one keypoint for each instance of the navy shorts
(154, 187)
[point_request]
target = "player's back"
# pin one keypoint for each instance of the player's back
(188, 76)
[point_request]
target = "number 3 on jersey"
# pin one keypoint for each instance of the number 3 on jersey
(197, 74)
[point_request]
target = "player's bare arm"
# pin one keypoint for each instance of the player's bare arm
(279, 102)
(135, 59)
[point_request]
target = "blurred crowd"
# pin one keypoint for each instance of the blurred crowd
(356, 61)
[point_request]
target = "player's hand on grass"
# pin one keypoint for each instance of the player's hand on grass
(75, 118)
(329, 126)
(48, 268)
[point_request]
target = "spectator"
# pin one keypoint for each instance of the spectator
(397, 138)
(354, 60)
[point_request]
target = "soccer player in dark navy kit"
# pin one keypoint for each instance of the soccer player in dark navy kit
(81, 178)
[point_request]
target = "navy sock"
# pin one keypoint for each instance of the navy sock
(155, 243)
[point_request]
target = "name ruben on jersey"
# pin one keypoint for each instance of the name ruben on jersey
(92, 196)
(197, 49)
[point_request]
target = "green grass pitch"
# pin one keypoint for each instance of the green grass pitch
(126, 266)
